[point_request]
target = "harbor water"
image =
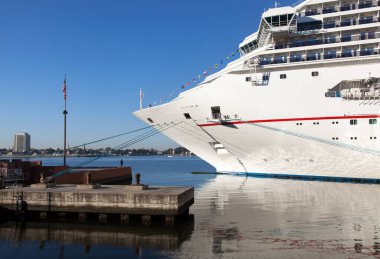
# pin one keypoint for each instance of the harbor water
(232, 217)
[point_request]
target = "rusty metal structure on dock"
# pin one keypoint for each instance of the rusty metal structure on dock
(12, 173)
(15, 172)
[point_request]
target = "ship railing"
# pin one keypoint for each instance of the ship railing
(282, 29)
(351, 22)
(259, 82)
(229, 118)
(329, 40)
(315, 56)
(340, 8)
(297, 3)
(220, 118)
(322, 28)
(264, 35)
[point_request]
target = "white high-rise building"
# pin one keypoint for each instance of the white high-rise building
(21, 143)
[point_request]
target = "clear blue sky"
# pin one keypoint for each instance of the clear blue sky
(108, 49)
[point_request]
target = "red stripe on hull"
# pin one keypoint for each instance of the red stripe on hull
(372, 116)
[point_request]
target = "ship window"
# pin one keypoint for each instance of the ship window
(353, 122)
(150, 120)
(187, 116)
(315, 73)
(275, 21)
(283, 76)
(265, 78)
(372, 121)
(248, 79)
(283, 20)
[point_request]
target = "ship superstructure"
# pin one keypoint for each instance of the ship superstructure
(303, 98)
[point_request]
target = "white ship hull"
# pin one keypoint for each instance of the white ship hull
(286, 127)
(279, 147)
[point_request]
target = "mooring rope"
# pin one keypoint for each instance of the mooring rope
(112, 137)
(124, 145)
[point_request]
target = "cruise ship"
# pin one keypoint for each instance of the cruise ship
(302, 100)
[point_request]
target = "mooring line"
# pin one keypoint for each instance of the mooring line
(112, 137)
(137, 139)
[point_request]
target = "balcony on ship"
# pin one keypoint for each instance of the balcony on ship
(313, 56)
(347, 7)
(330, 9)
(327, 38)
(351, 22)
(329, 55)
(349, 53)
(367, 4)
(340, 6)
(367, 51)
(370, 49)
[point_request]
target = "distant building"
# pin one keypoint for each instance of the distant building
(21, 144)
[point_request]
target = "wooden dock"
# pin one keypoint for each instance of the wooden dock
(121, 200)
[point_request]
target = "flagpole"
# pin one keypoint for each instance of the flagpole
(141, 97)
(65, 119)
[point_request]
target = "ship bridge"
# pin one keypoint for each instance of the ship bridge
(274, 21)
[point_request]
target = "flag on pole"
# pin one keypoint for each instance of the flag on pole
(64, 89)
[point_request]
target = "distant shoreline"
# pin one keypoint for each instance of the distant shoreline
(60, 156)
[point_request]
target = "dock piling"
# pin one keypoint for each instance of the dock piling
(43, 215)
(124, 218)
(82, 216)
(138, 179)
(61, 216)
(146, 220)
(102, 217)
(170, 220)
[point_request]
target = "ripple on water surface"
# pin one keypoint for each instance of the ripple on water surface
(234, 216)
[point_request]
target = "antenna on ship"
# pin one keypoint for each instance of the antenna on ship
(141, 99)
(276, 4)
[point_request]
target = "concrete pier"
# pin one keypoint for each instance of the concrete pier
(116, 199)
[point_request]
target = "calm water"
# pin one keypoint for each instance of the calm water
(234, 217)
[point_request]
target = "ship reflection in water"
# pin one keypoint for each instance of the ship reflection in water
(272, 218)
(234, 216)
